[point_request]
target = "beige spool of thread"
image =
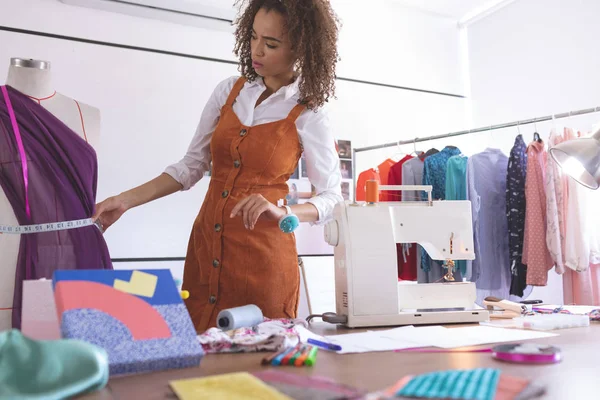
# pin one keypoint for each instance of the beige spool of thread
(372, 191)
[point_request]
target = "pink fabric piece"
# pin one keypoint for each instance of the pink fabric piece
(535, 251)
(582, 288)
(39, 320)
(143, 321)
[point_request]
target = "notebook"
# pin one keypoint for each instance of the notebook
(137, 316)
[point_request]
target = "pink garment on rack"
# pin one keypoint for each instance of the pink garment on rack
(582, 288)
(535, 252)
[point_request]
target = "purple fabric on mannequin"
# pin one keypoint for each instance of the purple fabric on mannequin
(62, 174)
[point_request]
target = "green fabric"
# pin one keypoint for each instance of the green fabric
(49, 369)
(456, 189)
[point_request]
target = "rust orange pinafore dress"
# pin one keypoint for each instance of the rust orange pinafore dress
(228, 265)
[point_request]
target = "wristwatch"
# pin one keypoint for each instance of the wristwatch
(289, 222)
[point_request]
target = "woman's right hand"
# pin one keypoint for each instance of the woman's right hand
(109, 211)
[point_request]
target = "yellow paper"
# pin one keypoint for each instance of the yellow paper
(239, 386)
(141, 284)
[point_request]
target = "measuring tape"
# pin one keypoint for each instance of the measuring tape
(49, 227)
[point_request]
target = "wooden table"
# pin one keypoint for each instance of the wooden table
(576, 377)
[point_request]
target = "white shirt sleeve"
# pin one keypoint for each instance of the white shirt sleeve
(322, 161)
(191, 168)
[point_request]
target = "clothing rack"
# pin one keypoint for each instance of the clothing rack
(464, 132)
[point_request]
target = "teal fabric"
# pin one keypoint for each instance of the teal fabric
(475, 384)
(456, 189)
(49, 369)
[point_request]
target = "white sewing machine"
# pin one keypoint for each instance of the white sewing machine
(364, 236)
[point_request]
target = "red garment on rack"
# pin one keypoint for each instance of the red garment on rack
(395, 178)
(361, 183)
(407, 270)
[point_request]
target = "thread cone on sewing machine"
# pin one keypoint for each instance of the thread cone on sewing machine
(372, 191)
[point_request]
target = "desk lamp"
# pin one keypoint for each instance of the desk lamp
(580, 159)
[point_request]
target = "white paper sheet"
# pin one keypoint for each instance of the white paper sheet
(370, 341)
(363, 342)
(449, 338)
(425, 336)
(409, 337)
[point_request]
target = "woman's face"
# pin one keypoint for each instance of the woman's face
(271, 49)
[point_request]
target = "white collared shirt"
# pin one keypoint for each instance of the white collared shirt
(314, 131)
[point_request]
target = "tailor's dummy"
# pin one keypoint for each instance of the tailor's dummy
(34, 79)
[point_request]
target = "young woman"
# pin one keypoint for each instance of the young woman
(254, 129)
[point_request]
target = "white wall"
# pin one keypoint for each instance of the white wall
(535, 58)
(151, 102)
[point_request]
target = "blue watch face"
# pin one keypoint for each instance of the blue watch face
(289, 223)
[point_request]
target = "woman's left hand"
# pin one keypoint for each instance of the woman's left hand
(253, 207)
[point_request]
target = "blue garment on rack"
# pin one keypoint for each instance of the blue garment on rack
(434, 174)
(486, 174)
(456, 189)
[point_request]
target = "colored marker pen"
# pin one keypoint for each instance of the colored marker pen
(312, 357)
(286, 359)
(299, 352)
(302, 358)
(277, 360)
(324, 345)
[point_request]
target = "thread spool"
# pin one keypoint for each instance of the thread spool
(372, 191)
(239, 317)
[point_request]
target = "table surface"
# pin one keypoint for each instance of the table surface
(576, 377)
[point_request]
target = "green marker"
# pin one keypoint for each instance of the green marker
(312, 356)
(298, 354)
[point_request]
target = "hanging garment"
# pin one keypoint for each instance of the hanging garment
(395, 178)
(535, 251)
(412, 174)
(431, 152)
(456, 189)
(515, 213)
(434, 174)
(407, 253)
(486, 176)
(61, 184)
(361, 183)
(434, 171)
(555, 198)
(226, 264)
(581, 287)
(577, 243)
(384, 171)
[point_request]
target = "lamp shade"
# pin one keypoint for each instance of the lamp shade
(580, 159)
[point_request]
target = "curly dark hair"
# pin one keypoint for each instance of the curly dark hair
(312, 27)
